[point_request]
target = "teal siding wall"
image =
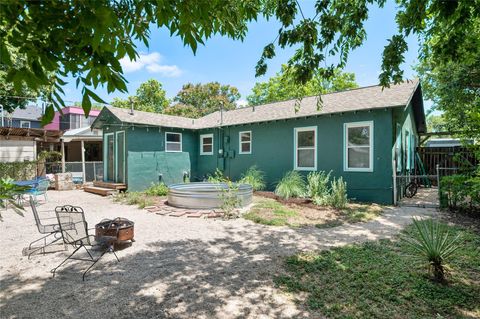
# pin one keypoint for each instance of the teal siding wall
(149, 163)
(273, 152)
(405, 139)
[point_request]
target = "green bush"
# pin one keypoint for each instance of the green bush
(217, 177)
(291, 185)
(159, 189)
(460, 192)
(317, 187)
(432, 243)
(338, 194)
(254, 177)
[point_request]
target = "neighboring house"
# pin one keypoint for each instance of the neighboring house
(362, 135)
(29, 117)
(73, 117)
(20, 144)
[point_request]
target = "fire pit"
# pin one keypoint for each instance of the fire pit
(121, 229)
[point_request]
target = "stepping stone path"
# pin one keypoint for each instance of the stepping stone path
(163, 209)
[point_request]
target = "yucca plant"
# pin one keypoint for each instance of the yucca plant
(432, 243)
(254, 177)
(291, 185)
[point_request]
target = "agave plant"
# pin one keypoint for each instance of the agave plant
(432, 243)
(291, 185)
(254, 177)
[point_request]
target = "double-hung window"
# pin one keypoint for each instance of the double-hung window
(245, 142)
(358, 147)
(173, 142)
(305, 157)
(206, 144)
(25, 124)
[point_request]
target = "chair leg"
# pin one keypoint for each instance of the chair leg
(44, 238)
(55, 269)
(91, 266)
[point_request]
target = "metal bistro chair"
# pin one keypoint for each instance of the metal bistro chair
(74, 231)
(49, 230)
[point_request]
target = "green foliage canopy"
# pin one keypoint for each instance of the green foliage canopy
(150, 97)
(86, 39)
(283, 86)
(197, 100)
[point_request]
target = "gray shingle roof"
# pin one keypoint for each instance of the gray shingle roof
(30, 112)
(366, 98)
(148, 118)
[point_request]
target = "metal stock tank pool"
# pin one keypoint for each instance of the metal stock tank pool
(205, 195)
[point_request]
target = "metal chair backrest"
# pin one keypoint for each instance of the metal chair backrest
(35, 215)
(73, 226)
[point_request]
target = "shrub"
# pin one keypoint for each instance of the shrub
(317, 187)
(159, 189)
(217, 177)
(460, 192)
(254, 177)
(230, 200)
(432, 243)
(291, 185)
(338, 195)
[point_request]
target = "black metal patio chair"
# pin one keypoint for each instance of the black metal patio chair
(74, 231)
(50, 230)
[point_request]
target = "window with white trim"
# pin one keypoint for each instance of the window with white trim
(358, 146)
(173, 142)
(25, 124)
(206, 144)
(245, 142)
(306, 148)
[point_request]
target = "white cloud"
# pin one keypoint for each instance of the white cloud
(170, 71)
(150, 62)
(242, 103)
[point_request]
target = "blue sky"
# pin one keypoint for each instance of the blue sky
(233, 62)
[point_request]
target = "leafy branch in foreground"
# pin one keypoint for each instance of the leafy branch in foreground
(8, 195)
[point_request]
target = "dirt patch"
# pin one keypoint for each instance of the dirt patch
(269, 209)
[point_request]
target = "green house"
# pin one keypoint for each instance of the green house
(362, 135)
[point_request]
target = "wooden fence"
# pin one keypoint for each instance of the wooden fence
(447, 157)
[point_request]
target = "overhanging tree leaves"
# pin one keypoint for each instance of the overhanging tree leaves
(197, 100)
(86, 39)
(283, 86)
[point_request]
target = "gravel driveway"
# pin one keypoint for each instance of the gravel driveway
(177, 268)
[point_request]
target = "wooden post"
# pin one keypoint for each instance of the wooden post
(394, 182)
(84, 175)
(63, 155)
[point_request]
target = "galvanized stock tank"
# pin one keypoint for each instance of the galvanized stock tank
(205, 195)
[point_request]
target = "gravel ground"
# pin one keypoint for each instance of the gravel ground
(177, 268)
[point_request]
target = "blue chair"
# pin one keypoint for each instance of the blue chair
(39, 189)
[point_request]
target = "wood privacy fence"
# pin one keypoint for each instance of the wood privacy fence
(446, 157)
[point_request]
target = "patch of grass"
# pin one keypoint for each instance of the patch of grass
(378, 280)
(135, 198)
(272, 213)
(356, 212)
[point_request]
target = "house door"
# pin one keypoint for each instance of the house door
(120, 158)
(109, 157)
